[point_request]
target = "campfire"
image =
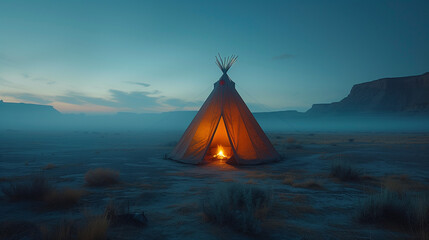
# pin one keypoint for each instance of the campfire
(220, 153)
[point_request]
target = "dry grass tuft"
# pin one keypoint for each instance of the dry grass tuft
(49, 166)
(289, 180)
(18, 230)
(118, 214)
(40, 190)
(395, 185)
(114, 209)
(344, 172)
(404, 177)
(228, 180)
(310, 184)
(369, 178)
(95, 228)
(292, 143)
(403, 210)
(101, 177)
(65, 198)
(251, 181)
(239, 206)
(35, 190)
(403, 183)
(64, 231)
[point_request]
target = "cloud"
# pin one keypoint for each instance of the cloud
(78, 98)
(283, 56)
(4, 82)
(135, 100)
(87, 108)
(180, 104)
(28, 97)
(41, 79)
(139, 83)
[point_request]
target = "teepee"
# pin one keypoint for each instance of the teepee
(224, 129)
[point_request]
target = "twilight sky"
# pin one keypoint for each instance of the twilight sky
(151, 56)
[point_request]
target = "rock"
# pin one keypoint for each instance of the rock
(386, 95)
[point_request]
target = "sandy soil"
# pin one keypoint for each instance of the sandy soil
(170, 193)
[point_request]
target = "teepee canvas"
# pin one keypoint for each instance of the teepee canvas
(224, 129)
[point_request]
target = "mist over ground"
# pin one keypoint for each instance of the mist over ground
(287, 121)
(388, 104)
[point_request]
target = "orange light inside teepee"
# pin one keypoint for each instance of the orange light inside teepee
(220, 153)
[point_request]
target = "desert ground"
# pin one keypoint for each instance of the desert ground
(329, 185)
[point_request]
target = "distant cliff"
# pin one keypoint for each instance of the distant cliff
(25, 109)
(387, 95)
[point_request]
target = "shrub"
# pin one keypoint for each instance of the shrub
(101, 177)
(18, 230)
(64, 231)
(420, 216)
(114, 209)
(385, 207)
(240, 206)
(35, 190)
(49, 166)
(399, 209)
(344, 171)
(95, 228)
(40, 190)
(119, 214)
(62, 199)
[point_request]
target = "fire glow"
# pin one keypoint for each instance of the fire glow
(220, 153)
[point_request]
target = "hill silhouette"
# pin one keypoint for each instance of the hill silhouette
(387, 95)
(26, 109)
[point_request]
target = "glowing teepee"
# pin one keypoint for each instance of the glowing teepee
(224, 129)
